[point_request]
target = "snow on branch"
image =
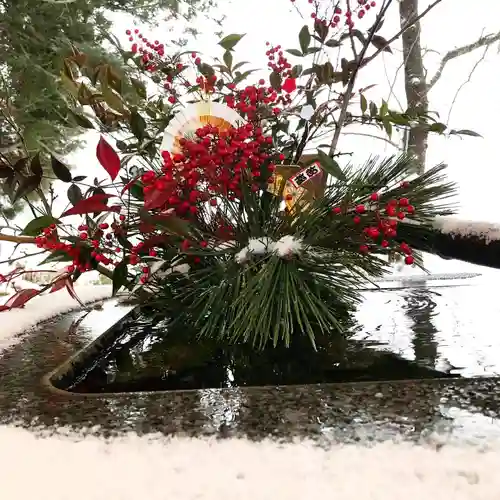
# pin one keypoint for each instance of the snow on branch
(455, 227)
(460, 51)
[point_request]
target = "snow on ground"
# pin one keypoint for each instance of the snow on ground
(58, 468)
(43, 307)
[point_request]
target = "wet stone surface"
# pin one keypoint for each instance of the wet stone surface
(437, 410)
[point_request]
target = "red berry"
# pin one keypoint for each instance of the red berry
(356, 219)
(410, 209)
(360, 209)
(374, 196)
(363, 248)
(385, 243)
(409, 260)
(336, 210)
(404, 202)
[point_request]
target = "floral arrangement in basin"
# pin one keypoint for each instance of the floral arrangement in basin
(221, 207)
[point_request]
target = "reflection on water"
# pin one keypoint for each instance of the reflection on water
(432, 324)
(421, 308)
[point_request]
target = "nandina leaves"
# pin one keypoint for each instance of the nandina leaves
(289, 85)
(96, 203)
(108, 158)
(155, 198)
(20, 298)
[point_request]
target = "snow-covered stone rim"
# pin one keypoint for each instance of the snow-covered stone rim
(18, 321)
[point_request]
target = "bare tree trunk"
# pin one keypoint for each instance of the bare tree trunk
(415, 82)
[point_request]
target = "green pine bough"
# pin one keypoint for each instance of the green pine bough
(281, 273)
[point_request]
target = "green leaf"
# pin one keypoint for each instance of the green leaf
(113, 100)
(137, 125)
(295, 52)
(330, 166)
(206, 70)
(137, 192)
(60, 170)
(381, 43)
(239, 77)
(228, 59)
(322, 30)
(373, 109)
(239, 65)
(384, 108)
(139, 87)
(332, 43)
(470, 133)
(120, 275)
(81, 121)
(36, 166)
(57, 256)
(296, 71)
(313, 50)
(304, 38)
(26, 186)
(74, 194)
(230, 41)
(437, 127)
(388, 127)
(35, 227)
(275, 80)
(5, 171)
(363, 103)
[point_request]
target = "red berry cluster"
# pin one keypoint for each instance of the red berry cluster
(252, 100)
(100, 243)
(380, 223)
(49, 241)
(278, 62)
(150, 50)
(335, 20)
(213, 163)
(280, 65)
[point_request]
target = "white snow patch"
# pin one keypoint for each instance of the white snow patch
(180, 268)
(287, 245)
(259, 246)
(44, 307)
(284, 247)
(256, 246)
(460, 227)
(155, 468)
(307, 112)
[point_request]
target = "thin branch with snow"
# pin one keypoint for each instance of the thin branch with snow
(460, 51)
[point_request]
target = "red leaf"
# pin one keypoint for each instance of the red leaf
(95, 203)
(71, 291)
(4, 308)
(61, 283)
(289, 85)
(21, 297)
(155, 199)
(108, 158)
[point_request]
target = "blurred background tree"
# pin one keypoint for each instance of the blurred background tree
(35, 36)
